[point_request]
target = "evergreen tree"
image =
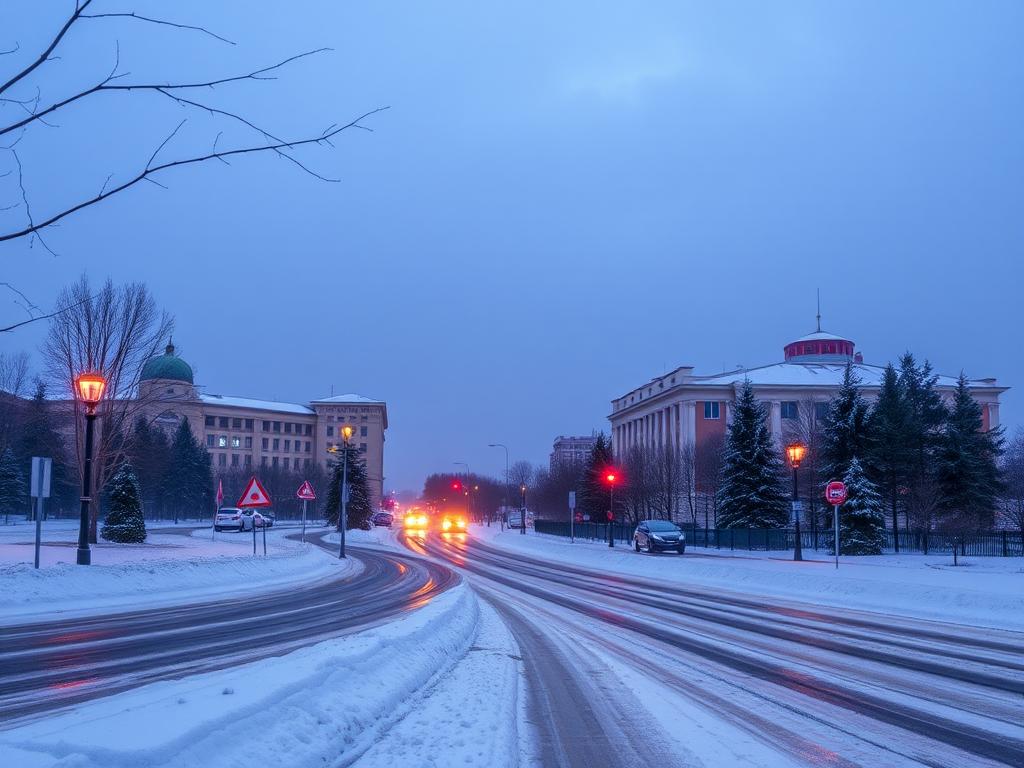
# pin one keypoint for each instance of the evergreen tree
(124, 522)
(149, 452)
(39, 437)
(188, 486)
(751, 494)
(861, 518)
(845, 432)
(966, 467)
(359, 507)
(888, 455)
(592, 494)
(13, 490)
(925, 418)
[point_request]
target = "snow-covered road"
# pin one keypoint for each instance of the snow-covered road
(649, 672)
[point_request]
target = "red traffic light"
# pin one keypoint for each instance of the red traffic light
(456, 485)
(611, 477)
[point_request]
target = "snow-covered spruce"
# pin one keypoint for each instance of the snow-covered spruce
(861, 518)
(124, 522)
(751, 494)
(845, 431)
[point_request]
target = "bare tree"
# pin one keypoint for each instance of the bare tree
(519, 474)
(807, 428)
(1013, 482)
(113, 331)
(688, 479)
(708, 467)
(13, 383)
(25, 88)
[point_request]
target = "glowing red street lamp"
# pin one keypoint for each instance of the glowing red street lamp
(795, 453)
(89, 388)
(611, 477)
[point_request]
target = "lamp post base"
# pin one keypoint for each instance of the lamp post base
(84, 556)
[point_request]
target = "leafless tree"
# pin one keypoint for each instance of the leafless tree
(114, 330)
(806, 428)
(519, 474)
(708, 468)
(687, 459)
(25, 89)
(13, 383)
(1013, 482)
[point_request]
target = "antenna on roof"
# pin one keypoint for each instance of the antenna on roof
(332, 390)
(819, 310)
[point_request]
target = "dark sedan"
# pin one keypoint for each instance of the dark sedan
(659, 536)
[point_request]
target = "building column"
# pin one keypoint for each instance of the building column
(993, 415)
(776, 412)
(690, 422)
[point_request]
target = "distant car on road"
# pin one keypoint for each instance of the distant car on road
(515, 519)
(383, 519)
(229, 518)
(659, 536)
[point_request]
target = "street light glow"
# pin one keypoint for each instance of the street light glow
(795, 453)
(90, 387)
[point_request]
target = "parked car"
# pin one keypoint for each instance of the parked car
(383, 519)
(268, 517)
(659, 536)
(515, 519)
(229, 518)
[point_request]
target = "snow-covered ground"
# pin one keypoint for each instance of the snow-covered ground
(435, 688)
(173, 567)
(987, 591)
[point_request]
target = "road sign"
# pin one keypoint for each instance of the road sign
(572, 499)
(835, 493)
(305, 491)
(254, 496)
(40, 488)
(220, 493)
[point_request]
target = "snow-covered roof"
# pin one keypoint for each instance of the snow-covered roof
(248, 402)
(351, 397)
(813, 374)
(821, 336)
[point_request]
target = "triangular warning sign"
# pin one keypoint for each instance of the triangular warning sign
(254, 495)
(306, 491)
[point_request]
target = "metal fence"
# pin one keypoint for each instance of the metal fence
(990, 544)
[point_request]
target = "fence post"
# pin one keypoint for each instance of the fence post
(1004, 544)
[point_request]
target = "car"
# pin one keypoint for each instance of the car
(229, 518)
(659, 536)
(416, 521)
(515, 519)
(382, 519)
(453, 524)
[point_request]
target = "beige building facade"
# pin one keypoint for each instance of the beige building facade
(250, 434)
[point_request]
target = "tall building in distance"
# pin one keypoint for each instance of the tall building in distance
(249, 433)
(571, 450)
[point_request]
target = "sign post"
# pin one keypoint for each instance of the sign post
(835, 494)
(255, 495)
(220, 502)
(572, 516)
(40, 489)
(307, 495)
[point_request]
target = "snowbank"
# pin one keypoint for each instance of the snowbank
(321, 705)
(987, 591)
(171, 568)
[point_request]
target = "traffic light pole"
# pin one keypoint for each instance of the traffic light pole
(798, 552)
(611, 515)
(343, 517)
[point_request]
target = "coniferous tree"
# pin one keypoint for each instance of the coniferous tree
(189, 482)
(39, 437)
(925, 418)
(861, 518)
(845, 432)
(967, 471)
(149, 452)
(359, 507)
(124, 522)
(751, 494)
(888, 455)
(13, 490)
(592, 496)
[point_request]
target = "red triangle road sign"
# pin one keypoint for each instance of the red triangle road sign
(306, 491)
(254, 495)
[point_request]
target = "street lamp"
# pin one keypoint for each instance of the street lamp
(89, 388)
(504, 494)
(465, 485)
(611, 477)
(346, 433)
(522, 519)
(795, 453)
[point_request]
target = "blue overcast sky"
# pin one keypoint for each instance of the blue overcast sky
(564, 200)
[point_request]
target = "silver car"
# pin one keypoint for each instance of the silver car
(231, 519)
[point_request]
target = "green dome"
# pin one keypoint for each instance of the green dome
(167, 366)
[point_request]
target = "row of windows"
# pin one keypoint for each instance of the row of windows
(227, 422)
(330, 431)
(221, 441)
(267, 461)
(224, 421)
(287, 445)
(790, 410)
(300, 429)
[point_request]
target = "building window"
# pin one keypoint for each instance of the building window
(287, 427)
(789, 409)
(222, 459)
(236, 423)
(248, 442)
(330, 433)
(277, 426)
(222, 441)
(236, 442)
(277, 444)
(266, 443)
(286, 462)
(209, 441)
(712, 409)
(249, 424)
(287, 445)
(309, 446)
(362, 447)
(820, 411)
(309, 429)
(234, 459)
(266, 426)
(263, 460)
(305, 463)
(248, 460)
(362, 431)
(211, 421)
(222, 422)
(274, 462)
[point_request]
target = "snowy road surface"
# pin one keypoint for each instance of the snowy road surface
(637, 672)
(49, 665)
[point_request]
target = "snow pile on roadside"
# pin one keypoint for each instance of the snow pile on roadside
(154, 578)
(988, 591)
(315, 706)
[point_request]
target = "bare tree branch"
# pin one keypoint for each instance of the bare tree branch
(149, 171)
(19, 76)
(136, 16)
(259, 74)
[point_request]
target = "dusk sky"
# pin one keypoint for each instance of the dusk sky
(563, 200)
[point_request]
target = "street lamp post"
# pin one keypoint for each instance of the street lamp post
(504, 494)
(89, 388)
(346, 435)
(795, 453)
(611, 477)
(522, 509)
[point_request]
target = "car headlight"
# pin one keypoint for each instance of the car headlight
(422, 520)
(461, 523)
(446, 525)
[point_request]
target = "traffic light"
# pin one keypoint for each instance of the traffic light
(456, 485)
(611, 477)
